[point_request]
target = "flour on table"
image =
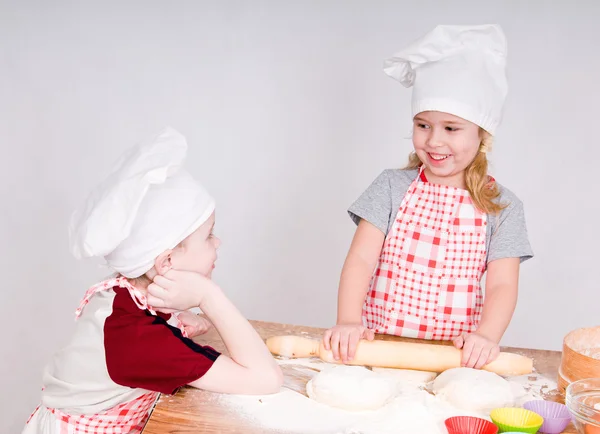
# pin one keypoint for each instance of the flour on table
(287, 412)
(414, 411)
(408, 410)
(534, 386)
(411, 410)
(309, 362)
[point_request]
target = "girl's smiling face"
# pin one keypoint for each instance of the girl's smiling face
(446, 144)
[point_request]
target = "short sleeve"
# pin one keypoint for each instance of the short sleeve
(374, 204)
(144, 351)
(509, 238)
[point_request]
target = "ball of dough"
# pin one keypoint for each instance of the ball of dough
(353, 388)
(473, 389)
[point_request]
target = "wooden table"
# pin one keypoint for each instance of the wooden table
(193, 411)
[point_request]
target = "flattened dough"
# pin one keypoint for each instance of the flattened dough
(352, 388)
(473, 389)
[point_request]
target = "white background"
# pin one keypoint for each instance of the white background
(289, 118)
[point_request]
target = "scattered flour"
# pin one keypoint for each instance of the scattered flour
(531, 387)
(414, 410)
(312, 363)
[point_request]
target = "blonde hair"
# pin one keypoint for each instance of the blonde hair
(482, 189)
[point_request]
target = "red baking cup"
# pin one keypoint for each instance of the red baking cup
(470, 425)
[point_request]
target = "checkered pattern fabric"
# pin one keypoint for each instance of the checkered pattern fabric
(138, 297)
(426, 284)
(126, 418)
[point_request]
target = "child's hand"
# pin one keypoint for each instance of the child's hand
(343, 339)
(179, 290)
(194, 325)
(477, 350)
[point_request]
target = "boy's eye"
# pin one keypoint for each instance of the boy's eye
(451, 129)
(422, 126)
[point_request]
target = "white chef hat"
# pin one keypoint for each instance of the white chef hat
(459, 70)
(148, 204)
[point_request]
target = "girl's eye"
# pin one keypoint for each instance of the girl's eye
(451, 129)
(423, 126)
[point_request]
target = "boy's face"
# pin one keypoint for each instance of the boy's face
(198, 252)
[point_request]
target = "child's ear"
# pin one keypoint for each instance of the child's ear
(162, 264)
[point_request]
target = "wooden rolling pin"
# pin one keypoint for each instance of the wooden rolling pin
(393, 354)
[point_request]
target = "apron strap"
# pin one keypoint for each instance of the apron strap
(136, 295)
(422, 173)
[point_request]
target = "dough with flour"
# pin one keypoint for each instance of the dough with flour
(353, 388)
(473, 389)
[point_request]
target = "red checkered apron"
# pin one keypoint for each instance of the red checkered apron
(129, 417)
(427, 281)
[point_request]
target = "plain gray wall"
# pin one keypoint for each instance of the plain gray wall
(289, 117)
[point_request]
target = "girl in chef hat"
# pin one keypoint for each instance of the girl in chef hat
(428, 233)
(153, 224)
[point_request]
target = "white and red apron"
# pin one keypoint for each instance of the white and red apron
(127, 417)
(427, 281)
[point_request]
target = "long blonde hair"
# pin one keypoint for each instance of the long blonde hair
(483, 191)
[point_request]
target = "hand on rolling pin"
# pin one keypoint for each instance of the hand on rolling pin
(179, 290)
(342, 340)
(477, 350)
(194, 325)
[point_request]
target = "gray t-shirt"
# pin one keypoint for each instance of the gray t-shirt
(506, 232)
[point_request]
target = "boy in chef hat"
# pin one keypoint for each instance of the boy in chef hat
(427, 233)
(153, 224)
